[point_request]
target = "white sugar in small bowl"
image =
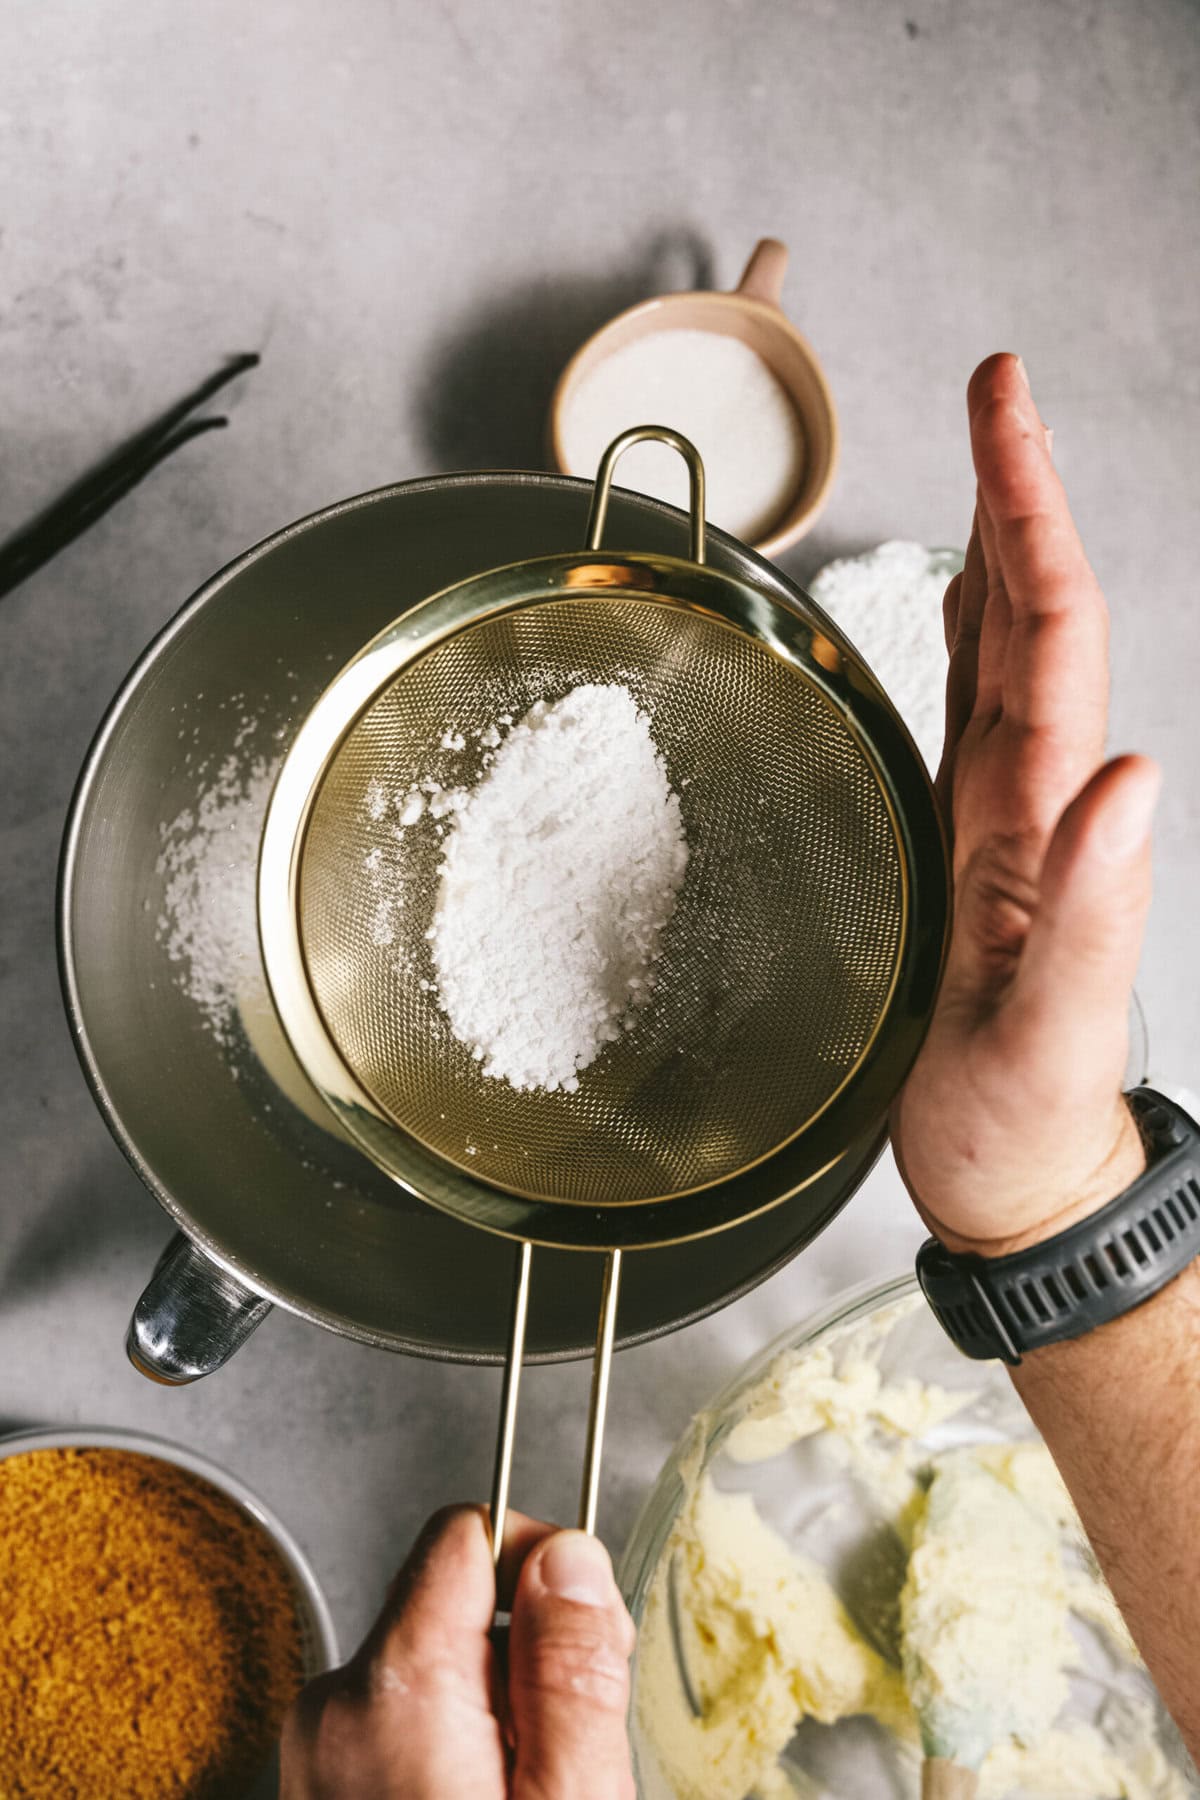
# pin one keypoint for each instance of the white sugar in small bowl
(760, 399)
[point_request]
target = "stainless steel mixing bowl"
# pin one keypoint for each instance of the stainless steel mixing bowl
(244, 1170)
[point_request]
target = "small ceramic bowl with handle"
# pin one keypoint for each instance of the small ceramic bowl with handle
(753, 314)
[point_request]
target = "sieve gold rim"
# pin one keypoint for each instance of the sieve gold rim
(605, 590)
(809, 644)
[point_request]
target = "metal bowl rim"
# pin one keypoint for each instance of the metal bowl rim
(89, 772)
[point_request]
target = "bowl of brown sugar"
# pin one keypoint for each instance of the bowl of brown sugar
(158, 1622)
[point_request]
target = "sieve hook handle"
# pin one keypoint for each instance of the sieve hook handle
(640, 434)
(597, 1409)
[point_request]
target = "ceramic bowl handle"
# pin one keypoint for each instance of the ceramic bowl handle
(762, 278)
(191, 1317)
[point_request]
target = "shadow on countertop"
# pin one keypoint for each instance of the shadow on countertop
(99, 1215)
(13, 1426)
(486, 399)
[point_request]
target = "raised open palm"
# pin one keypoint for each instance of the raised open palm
(1012, 1123)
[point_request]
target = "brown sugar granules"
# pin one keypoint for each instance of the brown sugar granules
(149, 1643)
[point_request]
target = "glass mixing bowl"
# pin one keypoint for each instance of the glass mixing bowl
(816, 1502)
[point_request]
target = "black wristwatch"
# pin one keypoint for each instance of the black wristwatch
(1002, 1306)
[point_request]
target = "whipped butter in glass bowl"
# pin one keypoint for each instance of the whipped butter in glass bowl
(765, 1573)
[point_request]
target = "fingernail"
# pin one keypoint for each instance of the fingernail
(1023, 372)
(575, 1566)
(1125, 823)
(1049, 431)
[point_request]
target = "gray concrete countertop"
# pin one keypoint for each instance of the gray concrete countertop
(415, 212)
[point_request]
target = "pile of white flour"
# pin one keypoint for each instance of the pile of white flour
(559, 873)
(889, 604)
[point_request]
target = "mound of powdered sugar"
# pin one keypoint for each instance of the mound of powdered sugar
(889, 604)
(559, 873)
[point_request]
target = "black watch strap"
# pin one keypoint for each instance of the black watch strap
(1091, 1273)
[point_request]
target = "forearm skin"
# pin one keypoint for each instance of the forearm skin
(1120, 1412)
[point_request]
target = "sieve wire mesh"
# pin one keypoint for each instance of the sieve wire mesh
(777, 964)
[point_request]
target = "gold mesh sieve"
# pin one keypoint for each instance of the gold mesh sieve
(776, 966)
(796, 970)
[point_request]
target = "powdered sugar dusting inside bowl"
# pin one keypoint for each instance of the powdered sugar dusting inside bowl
(558, 871)
(208, 923)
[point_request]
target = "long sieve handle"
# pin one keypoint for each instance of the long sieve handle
(502, 1474)
(640, 434)
(598, 1408)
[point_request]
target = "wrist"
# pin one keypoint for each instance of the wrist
(1120, 1164)
(1090, 1271)
(1178, 1302)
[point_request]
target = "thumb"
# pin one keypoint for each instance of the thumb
(1085, 938)
(568, 1660)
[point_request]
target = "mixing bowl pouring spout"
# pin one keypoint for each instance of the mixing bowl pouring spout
(191, 1317)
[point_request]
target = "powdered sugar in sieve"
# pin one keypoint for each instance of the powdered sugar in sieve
(559, 871)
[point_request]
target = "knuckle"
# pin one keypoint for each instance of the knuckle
(951, 599)
(447, 1522)
(448, 1518)
(446, 1545)
(994, 405)
(998, 890)
(430, 1677)
(435, 1679)
(575, 1665)
(997, 588)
